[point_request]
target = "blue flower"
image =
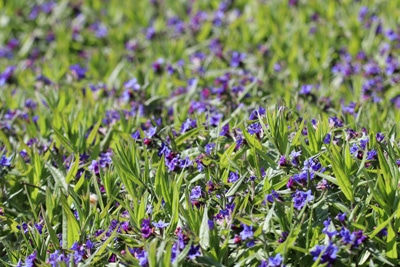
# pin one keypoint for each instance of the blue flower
(328, 253)
(341, 216)
(275, 261)
(188, 124)
(160, 224)
(89, 244)
(196, 192)
(271, 197)
(306, 89)
(142, 257)
(209, 147)
(151, 132)
(237, 59)
(247, 232)
(132, 84)
(6, 75)
(372, 154)
(301, 198)
(327, 139)
(233, 177)
(353, 149)
(224, 130)
(79, 252)
(78, 71)
(328, 229)
(194, 251)
(254, 128)
(4, 161)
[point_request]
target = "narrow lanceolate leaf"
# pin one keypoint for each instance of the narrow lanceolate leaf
(343, 180)
(52, 233)
(381, 226)
(71, 229)
(73, 170)
(204, 230)
(59, 178)
(100, 252)
(391, 243)
(63, 140)
(161, 183)
(251, 140)
(93, 134)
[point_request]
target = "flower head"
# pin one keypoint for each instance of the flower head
(301, 198)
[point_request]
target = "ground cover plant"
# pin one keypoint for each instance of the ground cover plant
(199, 133)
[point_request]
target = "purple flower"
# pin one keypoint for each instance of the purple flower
(209, 147)
(283, 161)
(275, 261)
(4, 161)
(224, 130)
(391, 35)
(6, 75)
(271, 197)
(383, 232)
(359, 238)
(306, 89)
(328, 229)
(327, 139)
(294, 155)
(371, 155)
(350, 109)
(160, 224)
(301, 198)
(132, 84)
(78, 71)
(346, 236)
(211, 224)
(364, 142)
(277, 67)
(341, 217)
(30, 260)
(257, 113)
(158, 65)
(142, 257)
(39, 228)
(24, 227)
(215, 119)
(174, 251)
(254, 128)
(145, 228)
(99, 29)
(196, 192)
(151, 132)
(353, 149)
(237, 59)
(56, 258)
(380, 137)
(89, 244)
(150, 33)
(79, 252)
(188, 124)
(247, 232)
(194, 251)
(233, 177)
(184, 163)
(328, 253)
(362, 13)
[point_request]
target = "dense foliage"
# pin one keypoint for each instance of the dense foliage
(199, 133)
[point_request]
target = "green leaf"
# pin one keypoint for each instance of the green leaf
(204, 234)
(52, 233)
(59, 178)
(342, 178)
